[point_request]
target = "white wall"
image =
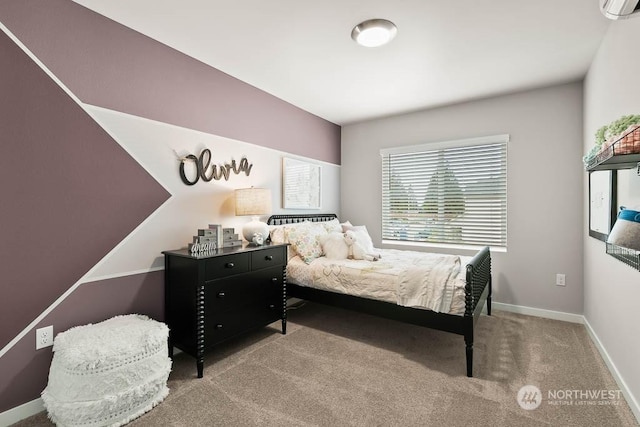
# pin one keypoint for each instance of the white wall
(544, 169)
(154, 145)
(612, 289)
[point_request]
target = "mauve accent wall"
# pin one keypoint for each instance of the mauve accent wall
(70, 192)
(107, 64)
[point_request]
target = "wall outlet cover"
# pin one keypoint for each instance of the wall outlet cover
(44, 337)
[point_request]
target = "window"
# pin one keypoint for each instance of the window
(451, 192)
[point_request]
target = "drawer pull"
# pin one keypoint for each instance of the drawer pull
(268, 258)
(272, 306)
(229, 265)
(274, 280)
(219, 326)
(220, 294)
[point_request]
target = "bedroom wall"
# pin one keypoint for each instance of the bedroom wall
(93, 118)
(544, 171)
(612, 289)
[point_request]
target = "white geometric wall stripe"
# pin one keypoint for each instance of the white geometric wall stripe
(154, 145)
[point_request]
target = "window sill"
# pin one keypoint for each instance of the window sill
(408, 245)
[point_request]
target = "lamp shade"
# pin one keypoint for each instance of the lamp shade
(253, 201)
(626, 230)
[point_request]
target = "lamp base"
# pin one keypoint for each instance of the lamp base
(255, 228)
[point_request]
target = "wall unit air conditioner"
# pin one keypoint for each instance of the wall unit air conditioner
(620, 9)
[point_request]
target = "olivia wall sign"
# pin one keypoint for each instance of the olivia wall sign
(207, 171)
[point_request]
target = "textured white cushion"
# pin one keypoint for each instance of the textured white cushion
(108, 373)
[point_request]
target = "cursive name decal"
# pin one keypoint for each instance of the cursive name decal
(217, 172)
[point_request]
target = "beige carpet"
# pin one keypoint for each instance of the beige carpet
(341, 368)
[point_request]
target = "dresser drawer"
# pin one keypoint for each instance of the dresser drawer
(220, 326)
(226, 294)
(224, 266)
(268, 258)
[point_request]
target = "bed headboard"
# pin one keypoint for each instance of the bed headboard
(293, 218)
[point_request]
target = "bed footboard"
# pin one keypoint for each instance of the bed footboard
(477, 290)
(478, 280)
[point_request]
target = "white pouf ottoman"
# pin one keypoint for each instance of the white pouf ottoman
(108, 373)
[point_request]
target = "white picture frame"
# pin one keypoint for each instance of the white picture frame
(602, 204)
(301, 184)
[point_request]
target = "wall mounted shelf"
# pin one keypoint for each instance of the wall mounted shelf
(614, 162)
(628, 256)
(622, 154)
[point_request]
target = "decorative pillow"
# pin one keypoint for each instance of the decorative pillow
(362, 236)
(333, 225)
(304, 240)
(278, 234)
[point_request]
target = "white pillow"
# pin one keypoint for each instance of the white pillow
(333, 225)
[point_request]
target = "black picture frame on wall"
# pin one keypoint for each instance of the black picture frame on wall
(602, 203)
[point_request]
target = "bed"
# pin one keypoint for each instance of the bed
(473, 290)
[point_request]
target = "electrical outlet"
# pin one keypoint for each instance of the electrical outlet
(44, 337)
(560, 280)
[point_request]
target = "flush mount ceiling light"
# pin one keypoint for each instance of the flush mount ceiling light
(374, 32)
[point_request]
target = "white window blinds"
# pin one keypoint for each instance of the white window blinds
(453, 192)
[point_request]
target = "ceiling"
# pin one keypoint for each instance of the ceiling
(445, 51)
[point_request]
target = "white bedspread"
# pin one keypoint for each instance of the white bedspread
(412, 279)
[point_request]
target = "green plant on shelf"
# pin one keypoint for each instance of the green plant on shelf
(610, 132)
(617, 127)
(601, 135)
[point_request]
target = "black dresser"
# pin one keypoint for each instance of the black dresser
(215, 296)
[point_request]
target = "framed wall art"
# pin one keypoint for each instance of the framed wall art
(602, 203)
(301, 184)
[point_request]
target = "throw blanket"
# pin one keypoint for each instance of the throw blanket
(408, 278)
(429, 285)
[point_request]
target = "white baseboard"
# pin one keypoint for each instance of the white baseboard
(578, 318)
(539, 312)
(631, 400)
(21, 412)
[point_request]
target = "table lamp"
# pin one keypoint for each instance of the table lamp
(254, 201)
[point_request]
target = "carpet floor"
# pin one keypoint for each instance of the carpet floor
(341, 368)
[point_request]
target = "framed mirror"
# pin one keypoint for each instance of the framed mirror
(602, 202)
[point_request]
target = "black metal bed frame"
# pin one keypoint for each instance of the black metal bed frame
(477, 291)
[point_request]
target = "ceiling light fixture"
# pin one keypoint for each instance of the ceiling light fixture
(374, 32)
